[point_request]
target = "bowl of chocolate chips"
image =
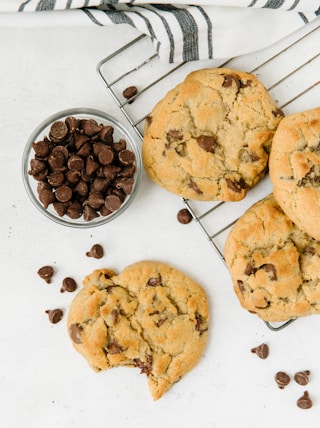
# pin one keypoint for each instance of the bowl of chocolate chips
(81, 168)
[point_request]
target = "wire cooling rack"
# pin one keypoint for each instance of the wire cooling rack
(290, 71)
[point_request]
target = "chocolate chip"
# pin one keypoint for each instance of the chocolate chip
(89, 213)
(90, 127)
(56, 160)
(193, 185)
(236, 186)
(41, 148)
(126, 157)
(302, 378)
(74, 210)
(174, 134)
(76, 162)
(282, 379)
(63, 193)
(229, 79)
(68, 284)
(95, 200)
(114, 348)
(37, 166)
(46, 197)
(75, 331)
(112, 203)
(262, 351)
(106, 156)
(184, 216)
(155, 281)
(55, 315)
(58, 131)
(278, 112)
(270, 268)
(199, 324)
(207, 143)
(130, 92)
(46, 273)
(96, 251)
(145, 366)
(56, 178)
(241, 286)
(250, 269)
(305, 401)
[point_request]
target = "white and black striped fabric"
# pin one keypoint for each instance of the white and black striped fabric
(203, 30)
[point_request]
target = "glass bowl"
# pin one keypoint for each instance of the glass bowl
(114, 172)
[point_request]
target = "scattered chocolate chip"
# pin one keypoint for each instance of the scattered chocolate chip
(95, 252)
(184, 216)
(46, 273)
(75, 331)
(302, 378)
(68, 284)
(262, 351)
(282, 379)
(130, 92)
(305, 401)
(55, 315)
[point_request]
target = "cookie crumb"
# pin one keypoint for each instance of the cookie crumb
(55, 315)
(46, 273)
(95, 252)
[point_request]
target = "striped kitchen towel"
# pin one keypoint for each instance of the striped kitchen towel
(203, 30)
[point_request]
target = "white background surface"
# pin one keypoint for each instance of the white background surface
(43, 381)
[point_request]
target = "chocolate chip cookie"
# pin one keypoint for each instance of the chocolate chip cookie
(295, 169)
(209, 138)
(274, 265)
(150, 316)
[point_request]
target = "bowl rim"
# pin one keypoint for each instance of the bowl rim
(36, 134)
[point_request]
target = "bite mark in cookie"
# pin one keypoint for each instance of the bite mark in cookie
(150, 316)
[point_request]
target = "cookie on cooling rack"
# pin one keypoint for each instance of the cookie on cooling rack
(150, 316)
(274, 265)
(295, 169)
(209, 137)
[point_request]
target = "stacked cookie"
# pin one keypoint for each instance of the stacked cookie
(273, 250)
(150, 316)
